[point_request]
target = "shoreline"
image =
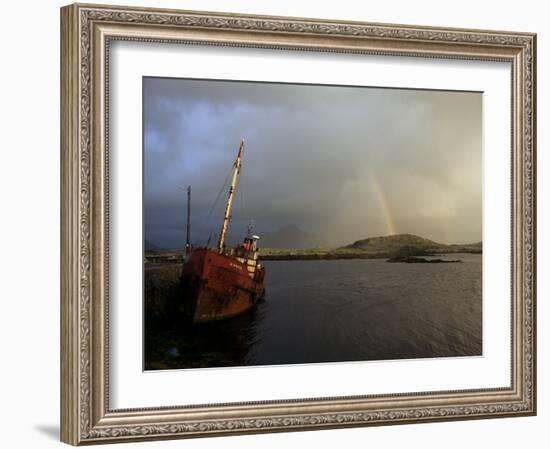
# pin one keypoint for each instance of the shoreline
(158, 257)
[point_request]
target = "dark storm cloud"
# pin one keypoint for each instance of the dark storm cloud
(339, 163)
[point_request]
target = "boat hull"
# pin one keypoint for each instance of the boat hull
(217, 286)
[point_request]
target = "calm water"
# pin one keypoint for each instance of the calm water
(343, 310)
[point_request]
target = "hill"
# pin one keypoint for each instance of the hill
(400, 245)
(395, 242)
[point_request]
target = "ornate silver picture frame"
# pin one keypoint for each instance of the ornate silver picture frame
(87, 33)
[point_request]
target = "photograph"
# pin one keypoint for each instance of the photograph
(293, 223)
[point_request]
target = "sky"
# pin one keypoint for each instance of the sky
(322, 165)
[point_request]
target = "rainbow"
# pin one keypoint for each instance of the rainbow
(384, 205)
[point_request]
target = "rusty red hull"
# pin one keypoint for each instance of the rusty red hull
(218, 286)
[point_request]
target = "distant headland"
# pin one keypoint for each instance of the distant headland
(390, 246)
(383, 247)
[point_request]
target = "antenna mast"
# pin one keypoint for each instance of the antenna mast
(188, 240)
(232, 188)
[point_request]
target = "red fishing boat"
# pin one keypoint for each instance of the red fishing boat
(222, 282)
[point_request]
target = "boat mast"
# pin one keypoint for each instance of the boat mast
(188, 240)
(232, 187)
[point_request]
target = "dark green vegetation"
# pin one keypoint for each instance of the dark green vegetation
(400, 242)
(391, 246)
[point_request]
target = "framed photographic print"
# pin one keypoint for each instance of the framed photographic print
(274, 223)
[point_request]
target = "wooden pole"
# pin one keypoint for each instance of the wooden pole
(232, 188)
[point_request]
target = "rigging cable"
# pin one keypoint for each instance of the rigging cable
(223, 188)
